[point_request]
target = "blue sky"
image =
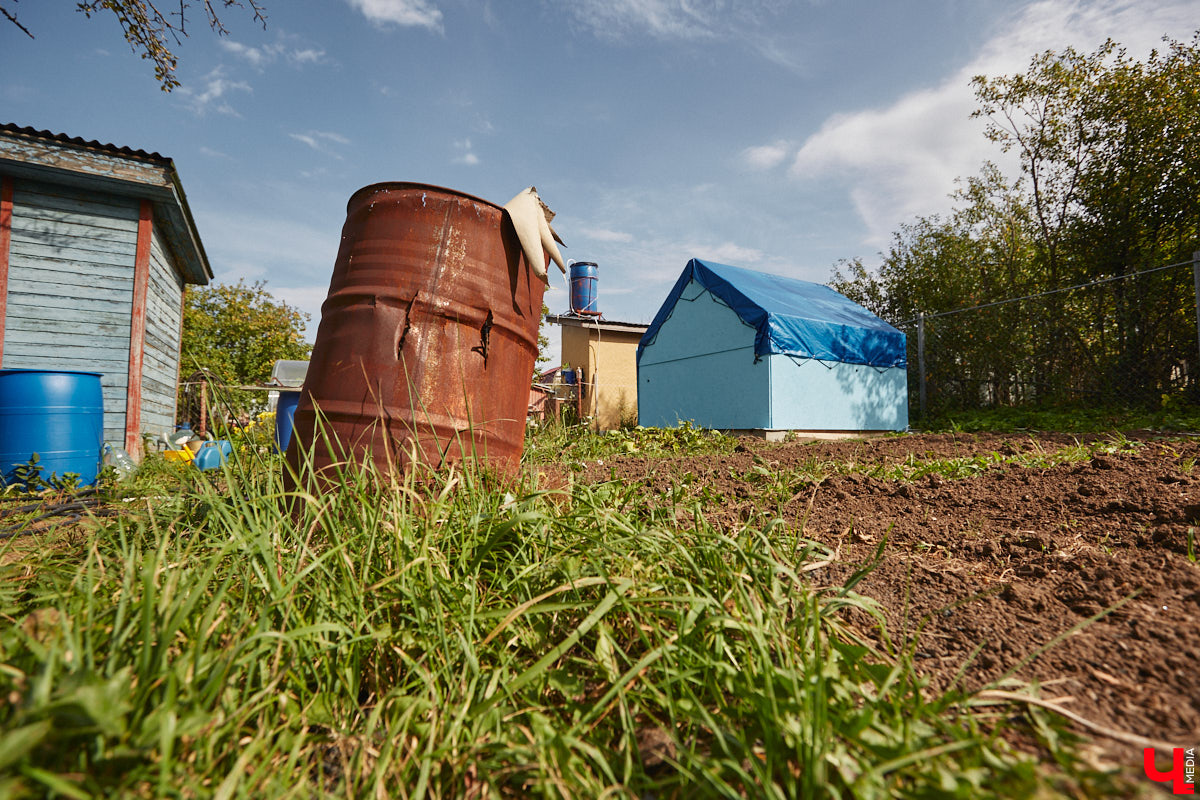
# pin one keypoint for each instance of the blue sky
(772, 135)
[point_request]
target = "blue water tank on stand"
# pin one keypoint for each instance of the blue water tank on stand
(58, 415)
(583, 287)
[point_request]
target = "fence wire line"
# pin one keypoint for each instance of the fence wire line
(1110, 342)
(1048, 292)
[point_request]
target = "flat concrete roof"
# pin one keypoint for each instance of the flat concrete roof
(578, 321)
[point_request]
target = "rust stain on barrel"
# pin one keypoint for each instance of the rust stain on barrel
(428, 336)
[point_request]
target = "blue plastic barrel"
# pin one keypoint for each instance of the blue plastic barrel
(285, 413)
(58, 415)
(583, 287)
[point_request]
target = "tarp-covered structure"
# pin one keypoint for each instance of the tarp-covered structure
(732, 348)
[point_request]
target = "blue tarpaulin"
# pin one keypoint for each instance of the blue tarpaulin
(791, 317)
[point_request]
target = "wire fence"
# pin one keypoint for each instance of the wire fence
(1130, 340)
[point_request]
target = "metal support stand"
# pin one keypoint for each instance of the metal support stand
(921, 355)
(203, 407)
(1196, 283)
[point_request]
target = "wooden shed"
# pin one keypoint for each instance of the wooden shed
(96, 246)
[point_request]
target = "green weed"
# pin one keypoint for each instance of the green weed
(440, 634)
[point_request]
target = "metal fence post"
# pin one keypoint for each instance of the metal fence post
(921, 348)
(1196, 281)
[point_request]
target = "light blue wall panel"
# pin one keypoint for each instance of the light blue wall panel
(71, 288)
(815, 395)
(160, 361)
(700, 367)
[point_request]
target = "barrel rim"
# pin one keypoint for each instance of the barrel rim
(32, 370)
(384, 186)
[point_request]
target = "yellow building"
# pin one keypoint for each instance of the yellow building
(607, 353)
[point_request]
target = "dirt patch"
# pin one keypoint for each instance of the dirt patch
(1012, 554)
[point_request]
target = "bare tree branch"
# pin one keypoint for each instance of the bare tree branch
(11, 17)
(148, 29)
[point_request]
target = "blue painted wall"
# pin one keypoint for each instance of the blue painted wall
(831, 396)
(70, 288)
(700, 367)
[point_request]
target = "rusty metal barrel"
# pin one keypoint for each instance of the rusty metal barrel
(428, 336)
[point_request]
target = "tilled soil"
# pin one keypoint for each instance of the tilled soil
(1009, 558)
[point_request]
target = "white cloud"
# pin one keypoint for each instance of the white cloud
(246, 245)
(744, 21)
(252, 246)
(766, 156)
(724, 253)
(664, 19)
(406, 13)
(466, 155)
(212, 95)
(264, 55)
(257, 56)
(605, 235)
(483, 125)
(642, 237)
(17, 93)
(901, 160)
(321, 141)
(309, 55)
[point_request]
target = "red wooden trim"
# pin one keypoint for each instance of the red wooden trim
(137, 332)
(6, 211)
(179, 355)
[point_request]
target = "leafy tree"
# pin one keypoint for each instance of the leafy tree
(148, 30)
(1112, 156)
(1109, 185)
(543, 342)
(238, 331)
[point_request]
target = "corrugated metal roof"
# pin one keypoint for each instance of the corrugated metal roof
(595, 322)
(62, 138)
(155, 177)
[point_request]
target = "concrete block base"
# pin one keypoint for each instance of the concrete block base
(805, 436)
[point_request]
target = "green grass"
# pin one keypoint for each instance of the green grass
(449, 635)
(1173, 416)
(555, 441)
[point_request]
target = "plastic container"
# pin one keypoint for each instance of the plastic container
(181, 436)
(183, 456)
(120, 460)
(212, 455)
(58, 415)
(289, 373)
(584, 280)
(285, 414)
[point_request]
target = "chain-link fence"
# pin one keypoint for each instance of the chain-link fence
(1126, 340)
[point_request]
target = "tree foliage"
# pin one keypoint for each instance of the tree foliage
(543, 342)
(1109, 185)
(149, 31)
(238, 331)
